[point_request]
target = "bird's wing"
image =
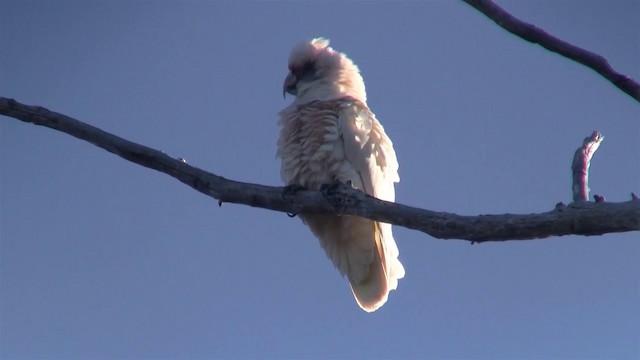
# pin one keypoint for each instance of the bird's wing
(370, 151)
(368, 148)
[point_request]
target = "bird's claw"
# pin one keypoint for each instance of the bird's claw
(291, 190)
(339, 194)
(335, 187)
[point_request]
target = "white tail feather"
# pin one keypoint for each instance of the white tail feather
(362, 250)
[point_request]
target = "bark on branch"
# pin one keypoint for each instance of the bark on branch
(580, 218)
(536, 35)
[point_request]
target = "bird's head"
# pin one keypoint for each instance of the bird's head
(317, 72)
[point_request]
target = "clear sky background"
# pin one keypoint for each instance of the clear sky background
(102, 258)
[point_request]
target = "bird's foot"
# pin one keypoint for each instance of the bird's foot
(336, 187)
(291, 190)
(330, 188)
(339, 194)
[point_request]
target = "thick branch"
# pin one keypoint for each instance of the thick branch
(536, 35)
(580, 166)
(583, 218)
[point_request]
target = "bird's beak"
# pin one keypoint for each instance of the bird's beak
(289, 85)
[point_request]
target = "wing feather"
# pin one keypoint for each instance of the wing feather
(369, 149)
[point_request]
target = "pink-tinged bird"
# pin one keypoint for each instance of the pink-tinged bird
(328, 135)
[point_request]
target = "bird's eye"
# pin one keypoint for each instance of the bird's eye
(308, 71)
(305, 70)
(309, 66)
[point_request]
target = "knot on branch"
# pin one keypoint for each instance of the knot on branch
(560, 206)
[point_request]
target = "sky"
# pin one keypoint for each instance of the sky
(102, 258)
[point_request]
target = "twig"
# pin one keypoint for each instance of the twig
(536, 35)
(583, 218)
(580, 166)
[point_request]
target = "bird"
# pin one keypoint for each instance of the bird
(328, 135)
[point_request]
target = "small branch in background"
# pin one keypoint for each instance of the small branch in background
(579, 218)
(536, 35)
(580, 166)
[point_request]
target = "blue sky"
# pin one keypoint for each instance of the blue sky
(101, 258)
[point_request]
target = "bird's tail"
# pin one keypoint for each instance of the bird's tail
(362, 250)
(385, 271)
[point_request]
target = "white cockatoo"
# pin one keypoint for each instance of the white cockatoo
(329, 135)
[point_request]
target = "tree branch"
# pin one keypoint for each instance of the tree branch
(534, 34)
(580, 218)
(580, 166)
